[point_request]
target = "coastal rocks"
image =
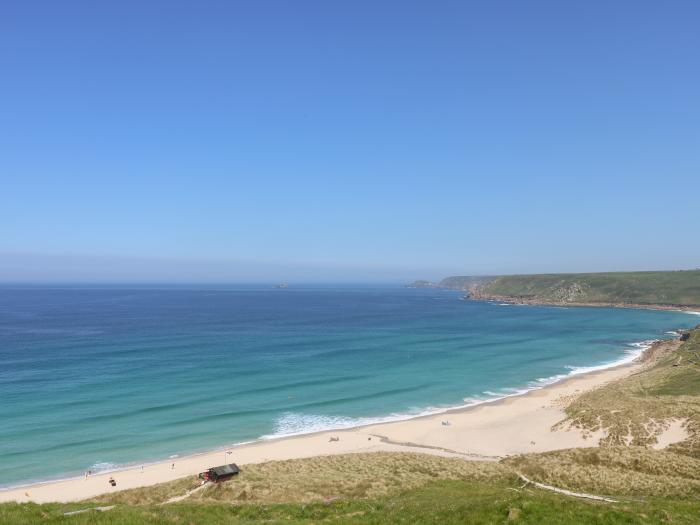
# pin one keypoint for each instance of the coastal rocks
(568, 293)
(561, 293)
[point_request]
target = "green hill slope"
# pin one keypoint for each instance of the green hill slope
(428, 490)
(679, 288)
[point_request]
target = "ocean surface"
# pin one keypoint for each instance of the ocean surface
(101, 377)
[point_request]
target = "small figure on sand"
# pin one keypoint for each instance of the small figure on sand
(445, 423)
(111, 481)
(334, 438)
(172, 467)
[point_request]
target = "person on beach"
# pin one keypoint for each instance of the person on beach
(172, 467)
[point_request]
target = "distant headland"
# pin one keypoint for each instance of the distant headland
(663, 289)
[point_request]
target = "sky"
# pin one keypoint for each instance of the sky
(346, 141)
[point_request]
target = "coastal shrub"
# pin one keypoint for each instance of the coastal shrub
(636, 410)
(680, 288)
(443, 502)
(628, 471)
(322, 478)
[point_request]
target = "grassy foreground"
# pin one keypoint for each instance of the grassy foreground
(435, 502)
(387, 488)
(680, 288)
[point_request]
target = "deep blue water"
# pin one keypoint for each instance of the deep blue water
(95, 377)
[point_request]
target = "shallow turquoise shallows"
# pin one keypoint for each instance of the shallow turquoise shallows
(94, 378)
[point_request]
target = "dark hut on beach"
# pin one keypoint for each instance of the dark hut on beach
(222, 473)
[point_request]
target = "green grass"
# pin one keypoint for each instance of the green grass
(437, 502)
(679, 288)
(387, 488)
(685, 383)
(321, 479)
(618, 471)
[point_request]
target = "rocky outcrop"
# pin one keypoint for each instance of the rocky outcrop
(568, 293)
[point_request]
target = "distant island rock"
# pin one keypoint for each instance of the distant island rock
(422, 284)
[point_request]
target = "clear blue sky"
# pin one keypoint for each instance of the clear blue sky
(347, 141)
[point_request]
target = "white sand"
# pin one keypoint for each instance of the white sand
(490, 431)
(675, 432)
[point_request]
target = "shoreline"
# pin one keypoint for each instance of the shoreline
(406, 434)
(532, 385)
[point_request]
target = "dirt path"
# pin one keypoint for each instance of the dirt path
(566, 492)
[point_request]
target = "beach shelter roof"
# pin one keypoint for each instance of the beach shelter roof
(225, 470)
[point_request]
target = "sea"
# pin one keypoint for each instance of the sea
(102, 377)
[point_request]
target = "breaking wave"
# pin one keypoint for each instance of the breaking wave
(295, 424)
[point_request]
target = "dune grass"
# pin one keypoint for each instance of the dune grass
(436, 502)
(617, 471)
(324, 478)
(384, 488)
(635, 410)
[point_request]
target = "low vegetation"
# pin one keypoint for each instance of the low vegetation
(679, 288)
(322, 479)
(386, 488)
(435, 502)
(635, 410)
(618, 471)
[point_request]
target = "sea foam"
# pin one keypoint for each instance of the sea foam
(295, 424)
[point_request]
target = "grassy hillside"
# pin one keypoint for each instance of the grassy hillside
(462, 282)
(680, 288)
(323, 478)
(625, 472)
(465, 282)
(382, 489)
(440, 502)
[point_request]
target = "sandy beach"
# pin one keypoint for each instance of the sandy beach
(489, 431)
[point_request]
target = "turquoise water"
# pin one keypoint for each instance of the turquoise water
(102, 377)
